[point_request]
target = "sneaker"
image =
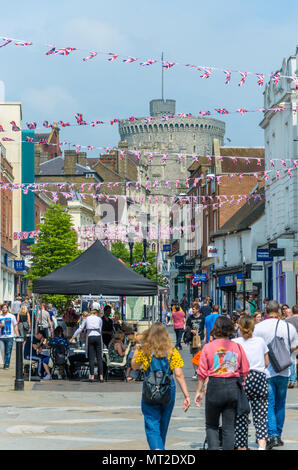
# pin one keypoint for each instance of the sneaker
(272, 441)
(60, 377)
(47, 377)
(195, 377)
(280, 443)
(5, 366)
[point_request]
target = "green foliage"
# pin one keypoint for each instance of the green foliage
(119, 250)
(56, 246)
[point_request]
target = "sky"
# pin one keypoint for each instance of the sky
(250, 36)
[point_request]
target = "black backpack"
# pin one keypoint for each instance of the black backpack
(59, 354)
(157, 386)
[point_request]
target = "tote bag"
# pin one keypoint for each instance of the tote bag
(279, 355)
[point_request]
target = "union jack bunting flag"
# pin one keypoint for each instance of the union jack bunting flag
(43, 141)
(64, 124)
(47, 125)
(132, 118)
(168, 65)
(205, 113)
(148, 62)
(260, 80)
(6, 41)
(7, 139)
(1, 129)
(94, 123)
(29, 139)
(80, 121)
(241, 111)
(129, 60)
(221, 111)
(114, 120)
(51, 51)
(92, 54)
(184, 114)
(228, 76)
(63, 143)
(23, 43)
(207, 73)
(242, 81)
(64, 51)
(114, 57)
(15, 128)
(31, 125)
(90, 147)
(276, 78)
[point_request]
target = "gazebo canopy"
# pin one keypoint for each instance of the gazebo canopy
(96, 271)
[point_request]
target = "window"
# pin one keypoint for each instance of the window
(207, 229)
(214, 221)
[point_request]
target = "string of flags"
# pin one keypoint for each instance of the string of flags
(32, 125)
(204, 71)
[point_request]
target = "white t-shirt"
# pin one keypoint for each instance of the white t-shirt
(15, 307)
(8, 330)
(255, 349)
(266, 330)
(95, 305)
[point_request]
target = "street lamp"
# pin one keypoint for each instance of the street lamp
(131, 237)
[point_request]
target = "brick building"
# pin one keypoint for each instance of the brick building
(7, 281)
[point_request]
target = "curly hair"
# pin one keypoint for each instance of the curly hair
(156, 340)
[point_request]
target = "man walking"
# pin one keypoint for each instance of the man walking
(277, 381)
(8, 329)
(209, 322)
(16, 305)
(195, 323)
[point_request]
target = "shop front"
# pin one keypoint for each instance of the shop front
(227, 287)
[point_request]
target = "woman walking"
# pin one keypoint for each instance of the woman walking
(222, 362)
(178, 317)
(93, 325)
(256, 387)
(157, 354)
(23, 321)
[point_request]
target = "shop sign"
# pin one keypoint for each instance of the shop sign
(212, 251)
(226, 280)
(263, 254)
(181, 278)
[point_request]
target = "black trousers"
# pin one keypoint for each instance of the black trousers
(95, 351)
(221, 401)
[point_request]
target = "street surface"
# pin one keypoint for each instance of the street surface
(64, 415)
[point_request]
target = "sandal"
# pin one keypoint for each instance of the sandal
(291, 385)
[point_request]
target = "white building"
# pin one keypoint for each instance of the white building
(234, 244)
(281, 212)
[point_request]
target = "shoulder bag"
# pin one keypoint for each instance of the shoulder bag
(279, 355)
(243, 406)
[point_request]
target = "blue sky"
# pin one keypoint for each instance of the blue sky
(251, 36)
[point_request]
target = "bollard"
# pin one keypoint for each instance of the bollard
(19, 381)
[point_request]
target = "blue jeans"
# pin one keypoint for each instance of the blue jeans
(277, 394)
(157, 419)
(293, 374)
(179, 334)
(8, 345)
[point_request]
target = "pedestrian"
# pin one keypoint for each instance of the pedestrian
(16, 306)
(256, 387)
(239, 303)
(178, 317)
(205, 308)
(252, 304)
(222, 362)
(293, 319)
(107, 326)
(93, 324)
(283, 311)
(277, 381)
(209, 322)
(184, 303)
(224, 313)
(257, 317)
(8, 330)
(265, 303)
(23, 321)
(44, 321)
(33, 350)
(195, 323)
(156, 353)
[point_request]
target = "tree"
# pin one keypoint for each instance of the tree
(119, 250)
(56, 246)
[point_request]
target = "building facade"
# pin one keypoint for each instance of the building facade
(281, 212)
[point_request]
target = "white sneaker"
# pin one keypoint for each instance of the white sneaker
(194, 377)
(59, 377)
(47, 377)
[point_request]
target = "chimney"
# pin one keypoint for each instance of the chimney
(82, 158)
(70, 160)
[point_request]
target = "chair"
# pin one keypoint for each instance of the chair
(59, 359)
(117, 366)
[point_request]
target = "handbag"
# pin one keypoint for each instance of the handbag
(187, 336)
(157, 386)
(243, 406)
(196, 359)
(196, 342)
(279, 355)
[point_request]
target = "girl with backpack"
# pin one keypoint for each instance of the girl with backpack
(159, 361)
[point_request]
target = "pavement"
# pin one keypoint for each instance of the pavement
(70, 415)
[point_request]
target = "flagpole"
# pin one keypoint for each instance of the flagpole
(162, 78)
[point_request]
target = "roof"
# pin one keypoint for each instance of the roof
(96, 271)
(249, 213)
(55, 167)
(229, 166)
